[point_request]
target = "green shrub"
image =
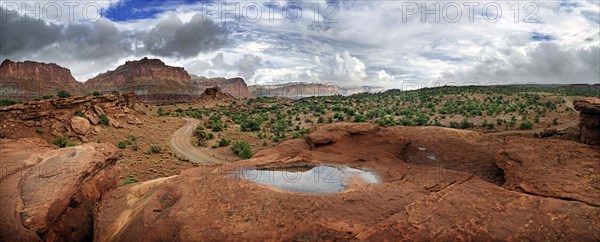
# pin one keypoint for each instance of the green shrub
(265, 143)
(8, 102)
(454, 125)
(39, 131)
(103, 119)
(63, 142)
(134, 147)
(122, 144)
(48, 96)
(96, 93)
(242, 149)
(80, 114)
(215, 123)
(250, 125)
(128, 181)
(154, 149)
(465, 124)
(63, 94)
(202, 135)
(525, 125)
(133, 138)
(224, 142)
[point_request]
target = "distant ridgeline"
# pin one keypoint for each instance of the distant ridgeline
(566, 90)
(299, 90)
(151, 79)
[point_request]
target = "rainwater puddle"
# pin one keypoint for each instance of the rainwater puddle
(306, 179)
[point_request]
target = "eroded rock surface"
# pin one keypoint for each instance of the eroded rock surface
(151, 79)
(589, 119)
(29, 80)
(437, 184)
(52, 195)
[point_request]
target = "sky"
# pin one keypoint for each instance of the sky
(392, 44)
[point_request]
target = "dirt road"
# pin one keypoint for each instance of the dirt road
(182, 143)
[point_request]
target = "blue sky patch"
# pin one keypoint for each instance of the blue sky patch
(535, 36)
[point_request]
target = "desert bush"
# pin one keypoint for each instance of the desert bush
(96, 93)
(154, 149)
(39, 131)
(242, 149)
(122, 144)
(103, 119)
(202, 135)
(63, 142)
(48, 96)
(224, 142)
(8, 102)
(128, 181)
(526, 124)
(215, 123)
(63, 94)
(250, 125)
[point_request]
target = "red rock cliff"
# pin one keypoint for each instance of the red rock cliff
(29, 80)
(233, 86)
(151, 79)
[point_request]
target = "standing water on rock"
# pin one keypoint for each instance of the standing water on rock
(319, 179)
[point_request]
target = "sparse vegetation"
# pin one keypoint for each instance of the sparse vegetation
(154, 149)
(242, 149)
(63, 94)
(128, 181)
(103, 119)
(8, 102)
(63, 142)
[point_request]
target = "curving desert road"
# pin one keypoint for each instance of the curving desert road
(182, 143)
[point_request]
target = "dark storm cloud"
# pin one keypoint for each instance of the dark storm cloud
(22, 37)
(18, 34)
(171, 37)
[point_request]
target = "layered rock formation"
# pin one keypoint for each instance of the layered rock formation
(589, 119)
(215, 94)
(60, 117)
(478, 188)
(150, 79)
(29, 80)
(300, 90)
(52, 195)
(235, 87)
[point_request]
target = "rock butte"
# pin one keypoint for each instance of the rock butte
(151, 79)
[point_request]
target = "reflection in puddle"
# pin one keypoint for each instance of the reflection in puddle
(304, 179)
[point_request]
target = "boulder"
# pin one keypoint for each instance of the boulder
(52, 195)
(80, 125)
(331, 133)
(589, 119)
(116, 124)
(134, 121)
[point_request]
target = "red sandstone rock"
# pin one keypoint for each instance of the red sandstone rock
(52, 195)
(435, 187)
(150, 79)
(235, 87)
(589, 119)
(28, 80)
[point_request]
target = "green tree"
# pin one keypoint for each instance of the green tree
(63, 94)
